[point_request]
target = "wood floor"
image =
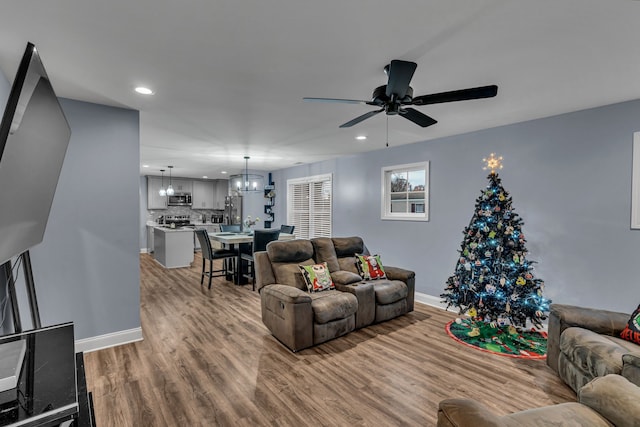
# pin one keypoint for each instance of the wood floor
(207, 360)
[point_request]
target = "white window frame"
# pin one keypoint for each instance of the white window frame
(385, 211)
(321, 228)
(635, 183)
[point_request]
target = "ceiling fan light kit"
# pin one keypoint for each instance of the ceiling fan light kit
(395, 97)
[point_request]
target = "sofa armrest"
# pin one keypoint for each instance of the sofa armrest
(631, 367)
(263, 272)
(563, 316)
(397, 273)
(613, 397)
(466, 412)
(343, 277)
(366, 296)
(408, 277)
(287, 313)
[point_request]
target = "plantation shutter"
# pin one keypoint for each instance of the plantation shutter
(309, 206)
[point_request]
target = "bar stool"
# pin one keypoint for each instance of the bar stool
(210, 254)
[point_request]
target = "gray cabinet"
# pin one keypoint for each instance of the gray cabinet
(220, 192)
(203, 195)
(181, 185)
(154, 199)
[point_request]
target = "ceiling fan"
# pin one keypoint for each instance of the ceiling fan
(394, 97)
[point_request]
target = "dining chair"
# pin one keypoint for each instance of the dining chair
(287, 229)
(260, 240)
(210, 254)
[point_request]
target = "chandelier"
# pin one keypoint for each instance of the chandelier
(246, 182)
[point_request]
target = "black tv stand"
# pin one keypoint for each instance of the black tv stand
(51, 388)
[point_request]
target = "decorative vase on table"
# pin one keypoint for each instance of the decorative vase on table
(249, 222)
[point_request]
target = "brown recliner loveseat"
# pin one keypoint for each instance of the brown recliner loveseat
(300, 319)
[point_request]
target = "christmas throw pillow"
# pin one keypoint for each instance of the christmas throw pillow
(632, 331)
(317, 277)
(370, 267)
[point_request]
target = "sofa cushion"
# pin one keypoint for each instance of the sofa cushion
(332, 305)
(290, 251)
(324, 251)
(389, 291)
(613, 397)
(632, 331)
(317, 277)
(370, 267)
(593, 353)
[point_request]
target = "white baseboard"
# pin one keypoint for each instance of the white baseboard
(109, 340)
(145, 251)
(433, 301)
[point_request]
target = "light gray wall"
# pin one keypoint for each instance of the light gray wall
(570, 179)
(86, 269)
(143, 214)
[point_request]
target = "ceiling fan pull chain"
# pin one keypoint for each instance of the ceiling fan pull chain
(387, 131)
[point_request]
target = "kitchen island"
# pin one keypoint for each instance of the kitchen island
(173, 247)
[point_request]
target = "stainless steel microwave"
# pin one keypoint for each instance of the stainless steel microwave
(179, 199)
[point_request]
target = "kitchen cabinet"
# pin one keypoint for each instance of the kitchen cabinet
(154, 199)
(220, 192)
(203, 195)
(181, 185)
(173, 247)
(150, 238)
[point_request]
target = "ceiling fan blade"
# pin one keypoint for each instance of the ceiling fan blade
(361, 118)
(457, 95)
(400, 74)
(417, 117)
(344, 101)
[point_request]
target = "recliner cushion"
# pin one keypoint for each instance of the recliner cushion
(389, 291)
(593, 353)
(332, 305)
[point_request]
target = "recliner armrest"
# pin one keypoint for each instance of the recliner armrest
(397, 273)
(466, 412)
(563, 316)
(343, 277)
(286, 294)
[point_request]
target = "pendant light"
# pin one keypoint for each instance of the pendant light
(162, 191)
(170, 191)
(246, 182)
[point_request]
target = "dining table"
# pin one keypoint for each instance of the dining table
(235, 241)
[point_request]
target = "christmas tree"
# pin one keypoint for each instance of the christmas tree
(493, 280)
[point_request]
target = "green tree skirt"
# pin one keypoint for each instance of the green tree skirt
(501, 340)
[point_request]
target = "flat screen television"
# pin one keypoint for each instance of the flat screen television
(34, 135)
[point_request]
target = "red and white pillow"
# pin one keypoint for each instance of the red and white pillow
(370, 267)
(632, 331)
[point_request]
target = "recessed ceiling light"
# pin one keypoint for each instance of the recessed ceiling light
(223, 172)
(143, 90)
(205, 177)
(145, 166)
(361, 137)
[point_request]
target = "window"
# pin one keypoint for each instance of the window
(309, 206)
(405, 192)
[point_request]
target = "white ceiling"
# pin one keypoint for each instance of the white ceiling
(230, 75)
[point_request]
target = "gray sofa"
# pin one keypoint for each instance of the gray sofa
(300, 319)
(585, 350)
(585, 343)
(605, 401)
